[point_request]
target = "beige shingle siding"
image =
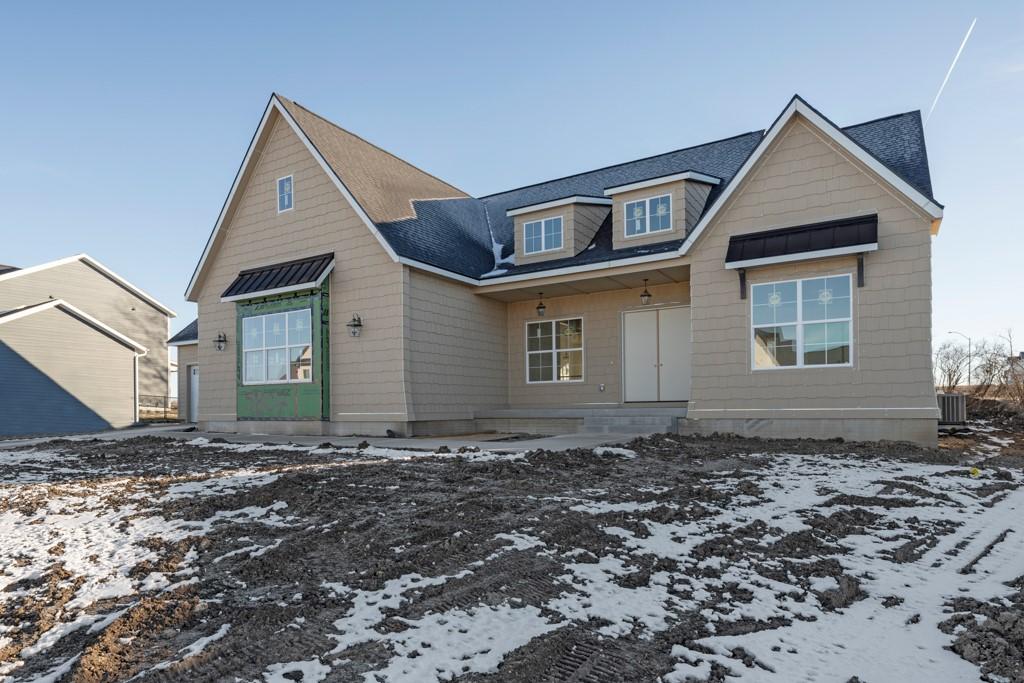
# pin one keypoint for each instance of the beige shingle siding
(457, 355)
(696, 196)
(89, 366)
(383, 184)
(804, 179)
(94, 293)
(187, 355)
(587, 218)
(602, 344)
(687, 195)
(367, 372)
(579, 225)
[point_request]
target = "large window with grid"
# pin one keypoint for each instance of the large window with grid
(802, 323)
(277, 348)
(554, 351)
(545, 235)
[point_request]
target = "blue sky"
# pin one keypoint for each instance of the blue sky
(125, 122)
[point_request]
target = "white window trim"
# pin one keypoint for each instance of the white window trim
(277, 189)
(799, 323)
(554, 350)
(543, 236)
(647, 218)
(265, 348)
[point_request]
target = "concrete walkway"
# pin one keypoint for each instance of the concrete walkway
(562, 442)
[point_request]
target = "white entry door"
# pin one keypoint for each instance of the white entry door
(193, 393)
(656, 354)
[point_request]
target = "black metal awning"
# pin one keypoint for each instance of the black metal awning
(817, 240)
(290, 276)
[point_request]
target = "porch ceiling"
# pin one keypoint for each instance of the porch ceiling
(588, 283)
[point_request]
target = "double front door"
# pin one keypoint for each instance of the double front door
(656, 354)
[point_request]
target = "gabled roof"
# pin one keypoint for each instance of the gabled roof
(188, 335)
(885, 146)
(96, 265)
(426, 223)
(63, 306)
(384, 185)
(6, 269)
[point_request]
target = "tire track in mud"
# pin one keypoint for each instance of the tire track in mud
(364, 526)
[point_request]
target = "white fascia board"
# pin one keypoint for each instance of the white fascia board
(558, 202)
(654, 182)
(803, 256)
(98, 266)
(77, 313)
(798, 106)
(187, 342)
(419, 265)
(312, 284)
(570, 270)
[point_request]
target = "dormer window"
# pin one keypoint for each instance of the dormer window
(284, 194)
(544, 235)
(649, 215)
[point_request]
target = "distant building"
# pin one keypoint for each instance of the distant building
(79, 346)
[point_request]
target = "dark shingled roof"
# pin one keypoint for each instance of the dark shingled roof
(472, 236)
(464, 236)
(305, 271)
(7, 269)
(190, 333)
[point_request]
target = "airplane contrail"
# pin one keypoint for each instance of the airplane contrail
(950, 72)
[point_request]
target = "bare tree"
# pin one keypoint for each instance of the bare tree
(989, 368)
(950, 365)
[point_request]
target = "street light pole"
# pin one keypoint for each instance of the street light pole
(970, 355)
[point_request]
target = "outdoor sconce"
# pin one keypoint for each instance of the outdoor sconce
(220, 342)
(541, 308)
(645, 296)
(355, 325)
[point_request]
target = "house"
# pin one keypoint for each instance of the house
(775, 283)
(187, 343)
(79, 346)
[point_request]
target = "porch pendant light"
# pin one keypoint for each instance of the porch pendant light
(541, 308)
(645, 296)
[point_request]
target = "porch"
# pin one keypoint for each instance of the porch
(596, 351)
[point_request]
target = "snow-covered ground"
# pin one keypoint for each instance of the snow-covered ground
(380, 565)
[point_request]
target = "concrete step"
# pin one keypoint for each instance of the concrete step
(629, 424)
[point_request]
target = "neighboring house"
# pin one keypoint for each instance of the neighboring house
(775, 283)
(187, 343)
(78, 346)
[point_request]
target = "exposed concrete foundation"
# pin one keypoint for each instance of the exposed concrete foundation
(922, 431)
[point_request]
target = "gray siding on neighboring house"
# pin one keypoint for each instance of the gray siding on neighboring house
(96, 294)
(62, 376)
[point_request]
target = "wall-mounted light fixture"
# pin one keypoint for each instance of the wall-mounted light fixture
(220, 342)
(355, 325)
(541, 308)
(645, 296)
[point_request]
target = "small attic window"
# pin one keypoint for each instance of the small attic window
(284, 194)
(543, 235)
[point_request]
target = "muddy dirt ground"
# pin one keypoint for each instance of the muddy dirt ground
(673, 558)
